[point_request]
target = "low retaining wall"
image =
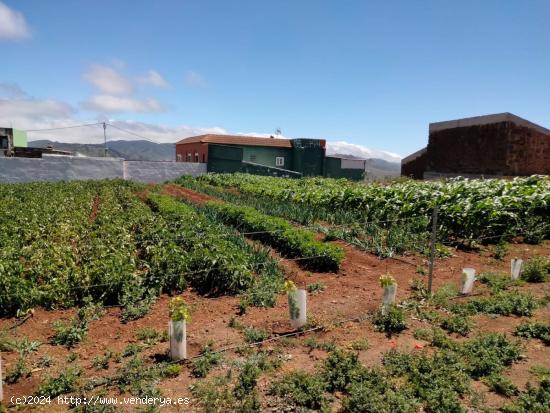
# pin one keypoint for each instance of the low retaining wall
(154, 172)
(70, 168)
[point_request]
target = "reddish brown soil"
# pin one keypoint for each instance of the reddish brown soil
(95, 208)
(351, 292)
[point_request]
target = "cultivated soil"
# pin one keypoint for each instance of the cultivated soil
(350, 294)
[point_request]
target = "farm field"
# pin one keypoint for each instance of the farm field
(88, 269)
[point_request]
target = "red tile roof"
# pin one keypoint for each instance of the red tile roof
(238, 140)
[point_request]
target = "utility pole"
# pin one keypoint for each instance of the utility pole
(105, 138)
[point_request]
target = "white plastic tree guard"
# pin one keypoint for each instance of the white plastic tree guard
(297, 308)
(468, 278)
(388, 299)
(177, 332)
(516, 265)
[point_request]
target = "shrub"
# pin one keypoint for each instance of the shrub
(390, 321)
(489, 354)
(534, 330)
(150, 336)
(458, 324)
(301, 389)
(536, 269)
(501, 249)
(360, 344)
(501, 385)
(71, 333)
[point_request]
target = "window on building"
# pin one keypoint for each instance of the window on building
(189, 157)
(252, 158)
(203, 158)
(196, 156)
(280, 161)
(179, 157)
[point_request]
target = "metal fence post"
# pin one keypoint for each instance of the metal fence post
(432, 248)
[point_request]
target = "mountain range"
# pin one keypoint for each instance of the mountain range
(379, 164)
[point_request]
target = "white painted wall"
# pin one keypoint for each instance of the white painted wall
(69, 168)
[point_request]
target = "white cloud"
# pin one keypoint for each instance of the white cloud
(153, 78)
(108, 80)
(11, 91)
(193, 79)
(12, 24)
(28, 111)
(117, 104)
(345, 148)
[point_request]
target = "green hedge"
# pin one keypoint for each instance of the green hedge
(290, 242)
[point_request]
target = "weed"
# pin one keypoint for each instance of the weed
(72, 357)
(205, 363)
(540, 371)
(496, 282)
(19, 370)
(458, 324)
(503, 303)
(170, 370)
(441, 297)
(316, 345)
(534, 330)
(150, 336)
(316, 287)
(501, 385)
(65, 382)
(489, 354)
(44, 361)
(301, 389)
(501, 249)
(132, 349)
(390, 321)
(102, 362)
(536, 270)
(255, 335)
(360, 344)
(71, 333)
(533, 400)
(340, 369)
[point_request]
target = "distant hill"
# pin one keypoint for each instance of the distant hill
(377, 168)
(140, 150)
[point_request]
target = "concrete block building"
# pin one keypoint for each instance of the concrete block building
(496, 145)
(266, 156)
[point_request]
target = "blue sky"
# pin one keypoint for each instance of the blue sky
(371, 73)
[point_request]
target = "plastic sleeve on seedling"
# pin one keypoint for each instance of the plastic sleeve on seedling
(177, 332)
(516, 265)
(297, 308)
(468, 278)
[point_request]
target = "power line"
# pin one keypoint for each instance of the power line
(132, 133)
(64, 127)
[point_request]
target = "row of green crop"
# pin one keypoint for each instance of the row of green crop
(385, 239)
(62, 244)
(468, 209)
(289, 241)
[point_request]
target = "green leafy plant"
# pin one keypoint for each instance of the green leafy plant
(255, 335)
(534, 330)
(536, 270)
(390, 320)
(301, 389)
(501, 385)
(178, 309)
(207, 360)
(315, 288)
(459, 324)
(65, 382)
